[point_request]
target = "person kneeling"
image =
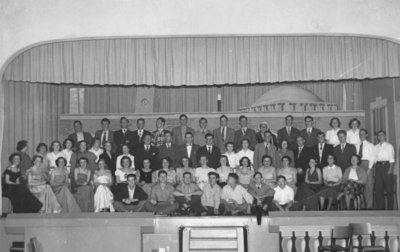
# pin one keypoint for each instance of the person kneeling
(188, 195)
(283, 197)
(162, 199)
(130, 198)
(235, 198)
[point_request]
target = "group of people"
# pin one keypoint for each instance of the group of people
(203, 172)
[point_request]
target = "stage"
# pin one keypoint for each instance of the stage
(145, 232)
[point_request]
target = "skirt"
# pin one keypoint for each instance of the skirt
(330, 191)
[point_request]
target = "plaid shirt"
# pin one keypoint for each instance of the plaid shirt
(158, 137)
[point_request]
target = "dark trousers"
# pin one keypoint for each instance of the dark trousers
(194, 203)
(383, 183)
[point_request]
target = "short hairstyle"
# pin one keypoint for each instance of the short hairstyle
(226, 145)
(209, 135)
(267, 156)
(65, 142)
(131, 175)
(312, 158)
(140, 119)
(333, 156)
(332, 119)
(299, 137)
(161, 172)
(36, 157)
(211, 173)
(59, 159)
(77, 121)
(289, 116)
(243, 117)
(381, 131)
(145, 134)
(245, 139)
(167, 132)
(284, 140)
(105, 120)
(183, 115)
(286, 157)
(226, 158)
(168, 159)
(224, 116)
(82, 141)
(309, 117)
(162, 119)
(203, 119)
(242, 159)
(187, 173)
(234, 176)
(358, 158)
(365, 131)
(354, 120)
(83, 158)
(40, 146)
(342, 132)
(12, 156)
(21, 145)
(188, 133)
(95, 139)
(126, 158)
(321, 133)
(123, 118)
(54, 142)
(257, 173)
(186, 157)
(280, 177)
(203, 155)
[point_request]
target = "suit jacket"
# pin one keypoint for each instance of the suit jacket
(152, 154)
(177, 134)
(218, 138)
(172, 153)
(250, 135)
(86, 136)
(121, 138)
(301, 160)
(312, 139)
(291, 139)
(343, 157)
(260, 150)
(322, 160)
(99, 133)
(110, 161)
(136, 139)
(213, 158)
(199, 137)
(123, 193)
(260, 138)
(182, 152)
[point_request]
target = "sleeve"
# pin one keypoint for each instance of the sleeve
(118, 163)
(224, 194)
(291, 194)
(203, 197)
(391, 155)
(171, 196)
(217, 198)
(251, 190)
(153, 195)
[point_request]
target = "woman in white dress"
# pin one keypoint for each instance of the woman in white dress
(223, 171)
(96, 148)
(67, 151)
(353, 134)
(245, 152)
(231, 155)
(55, 153)
(103, 197)
(201, 173)
(331, 135)
(125, 153)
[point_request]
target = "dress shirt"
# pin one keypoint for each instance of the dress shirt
(209, 148)
(384, 152)
(118, 163)
(147, 147)
(309, 131)
(232, 158)
(189, 150)
(162, 195)
(104, 136)
(331, 137)
(368, 153)
(245, 153)
(332, 173)
(223, 133)
(239, 194)
(80, 137)
(131, 192)
(211, 196)
(283, 196)
(320, 149)
(353, 174)
(140, 132)
(124, 130)
(353, 137)
(244, 131)
(288, 130)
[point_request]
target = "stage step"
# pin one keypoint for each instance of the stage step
(17, 247)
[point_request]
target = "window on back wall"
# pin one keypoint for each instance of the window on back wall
(76, 100)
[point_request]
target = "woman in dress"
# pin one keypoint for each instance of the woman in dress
(264, 127)
(288, 172)
(146, 176)
(41, 150)
(96, 148)
(267, 171)
(126, 168)
(125, 153)
(37, 183)
(110, 158)
(223, 171)
(353, 134)
(354, 180)
(67, 151)
(245, 172)
(231, 155)
(245, 152)
(171, 173)
(201, 173)
(332, 177)
(22, 200)
(54, 154)
(60, 186)
(307, 192)
(331, 135)
(185, 166)
(83, 191)
(103, 197)
(281, 152)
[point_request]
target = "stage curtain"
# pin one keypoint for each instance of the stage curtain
(31, 113)
(207, 60)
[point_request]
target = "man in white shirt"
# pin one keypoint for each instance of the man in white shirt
(384, 172)
(235, 198)
(283, 197)
(367, 154)
(211, 197)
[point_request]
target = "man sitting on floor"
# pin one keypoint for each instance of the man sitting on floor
(211, 197)
(283, 197)
(130, 198)
(262, 193)
(235, 198)
(188, 195)
(162, 199)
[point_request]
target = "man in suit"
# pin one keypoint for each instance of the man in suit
(80, 135)
(200, 135)
(168, 149)
(289, 133)
(343, 151)
(302, 155)
(130, 197)
(123, 136)
(322, 150)
(309, 133)
(159, 133)
(189, 149)
(105, 134)
(211, 151)
(178, 133)
(245, 133)
(147, 151)
(265, 148)
(223, 134)
(139, 133)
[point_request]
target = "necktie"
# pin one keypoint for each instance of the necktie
(140, 134)
(244, 131)
(288, 130)
(209, 150)
(168, 146)
(298, 154)
(104, 138)
(147, 148)
(259, 186)
(124, 131)
(320, 152)
(309, 132)
(361, 150)
(223, 133)
(342, 146)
